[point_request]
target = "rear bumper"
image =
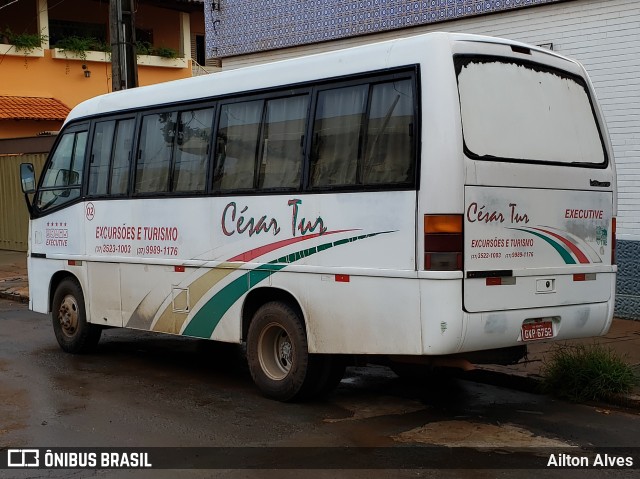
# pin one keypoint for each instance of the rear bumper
(447, 329)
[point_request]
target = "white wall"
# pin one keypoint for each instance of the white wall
(603, 34)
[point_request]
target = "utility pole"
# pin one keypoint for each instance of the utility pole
(122, 30)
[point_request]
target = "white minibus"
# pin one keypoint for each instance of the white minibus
(436, 199)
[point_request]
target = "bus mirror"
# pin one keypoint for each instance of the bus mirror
(28, 178)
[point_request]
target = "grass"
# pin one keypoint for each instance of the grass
(586, 373)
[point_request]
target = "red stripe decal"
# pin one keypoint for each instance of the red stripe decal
(574, 249)
(255, 253)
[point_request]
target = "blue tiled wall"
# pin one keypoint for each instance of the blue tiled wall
(246, 26)
(628, 287)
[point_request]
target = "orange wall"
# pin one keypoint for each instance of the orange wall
(164, 23)
(25, 128)
(197, 23)
(64, 79)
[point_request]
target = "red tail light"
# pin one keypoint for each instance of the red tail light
(443, 242)
(613, 241)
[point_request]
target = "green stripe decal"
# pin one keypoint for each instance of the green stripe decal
(566, 256)
(206, 319)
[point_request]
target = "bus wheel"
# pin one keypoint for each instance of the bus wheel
(277, 353)
(332, 368)
(69, 319)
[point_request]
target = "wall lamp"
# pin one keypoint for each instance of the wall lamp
(87, 72)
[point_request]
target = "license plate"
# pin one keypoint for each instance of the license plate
(537, 330)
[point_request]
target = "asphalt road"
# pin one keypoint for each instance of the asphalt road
(148, 390)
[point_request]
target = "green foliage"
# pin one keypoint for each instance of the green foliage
(100, 46)
(165, 52)
(586, 372)
(145, 48)
(25, 42)
(80, 45)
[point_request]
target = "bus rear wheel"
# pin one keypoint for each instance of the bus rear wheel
(68, 315)
(279, 359)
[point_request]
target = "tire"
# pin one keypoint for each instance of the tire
(69, 318)
(277, 354)
(331, 373)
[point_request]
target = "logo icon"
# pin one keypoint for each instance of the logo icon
(90, 211)
(23, 458)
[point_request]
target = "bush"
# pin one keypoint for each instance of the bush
(26, 42)
(77, 45)
(165, 52)
(586, 372)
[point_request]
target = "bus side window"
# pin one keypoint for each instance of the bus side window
(121, 157)
(238, 137)
(283, 133)
(100, 157)
(336, 138)
(191, 150)
(157, 138)
(110, 157)
(63, 176)
(389, 153)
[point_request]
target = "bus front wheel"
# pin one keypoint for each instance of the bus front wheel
(73, 332)
(277, 354)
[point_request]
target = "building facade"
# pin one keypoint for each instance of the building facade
(59, 52)
(55, 54)
(602, 34)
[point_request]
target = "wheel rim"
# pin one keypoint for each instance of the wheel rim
(68, 315)
(275, 351)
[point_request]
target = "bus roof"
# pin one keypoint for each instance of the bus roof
(364, 58)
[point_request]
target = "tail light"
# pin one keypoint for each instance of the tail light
(613, 241)
(443, 242)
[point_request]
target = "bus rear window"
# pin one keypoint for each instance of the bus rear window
(526, 112)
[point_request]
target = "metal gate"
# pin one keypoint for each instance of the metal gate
(14, 217)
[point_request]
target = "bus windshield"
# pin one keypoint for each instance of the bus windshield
(523, 112)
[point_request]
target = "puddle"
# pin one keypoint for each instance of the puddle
(471, 434)
(376, 407)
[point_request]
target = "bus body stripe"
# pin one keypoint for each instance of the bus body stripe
(562, 251)
(170, 322)
(262, 250)
(574, 248)
(206, 319)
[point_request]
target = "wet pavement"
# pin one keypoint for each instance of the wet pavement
(13, 276)
(623, 338)
(143, 389)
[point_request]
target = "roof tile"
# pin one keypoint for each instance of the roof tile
(32, 108)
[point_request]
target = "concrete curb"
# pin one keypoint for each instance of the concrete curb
(518, 381)
(533, 384)
(10, 295)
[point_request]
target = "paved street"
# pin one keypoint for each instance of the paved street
(150, 390)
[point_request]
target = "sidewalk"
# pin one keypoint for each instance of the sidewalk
(623, 338)
(13, 276)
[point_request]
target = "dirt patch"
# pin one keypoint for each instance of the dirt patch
(472, 434)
